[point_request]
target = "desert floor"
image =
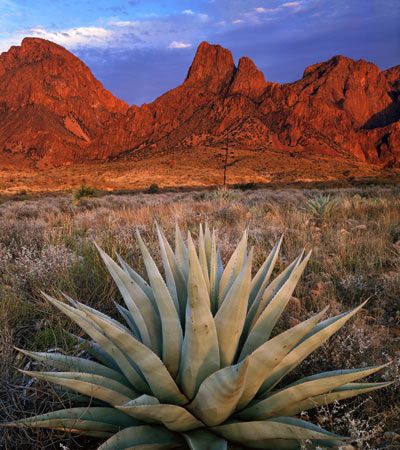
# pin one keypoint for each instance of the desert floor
(201, 167)
(46, 243)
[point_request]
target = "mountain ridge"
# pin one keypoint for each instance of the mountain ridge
(53, 116)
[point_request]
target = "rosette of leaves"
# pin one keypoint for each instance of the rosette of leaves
(194, 364)
(321, 206)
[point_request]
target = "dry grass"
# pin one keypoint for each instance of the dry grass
(47, 243)
(193, 167)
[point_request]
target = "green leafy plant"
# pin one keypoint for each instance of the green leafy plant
(195, 364)
(223, 194)
(321, 206)
(84, 191)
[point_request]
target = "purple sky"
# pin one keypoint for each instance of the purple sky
(141, 48)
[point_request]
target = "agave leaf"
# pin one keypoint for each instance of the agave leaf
(205, 440)
(181, 252)
(279, 444)
(231, 315)
(129, 321)
(208, 244)
(214, 278)
(96, 352)
(324, 324)
(333, 443)
(170, 322)
(76, 426)
(219, 394)
(135, 300)
(144, 437)
(220, 266)
(262, 329)
(337, 394)
(75, 364)
(69, 397)
(80, 427)
(169, 276)
(272, 289)
(138, 279)
(200, 350)
(307, 346)
(90, 327)
(82, 307)
(305, 388)
(293, 444)
(96, 386)
(203, 257)
(179, 278)
(233, 267)
(261, 279)
(149, 409)
(156, 374)
(257, 432)
(94, 421)
(263, 360)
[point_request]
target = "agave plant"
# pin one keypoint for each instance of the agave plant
(321, 206)
(195, 365)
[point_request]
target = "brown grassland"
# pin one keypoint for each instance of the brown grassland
(199, 167)
(46, 243)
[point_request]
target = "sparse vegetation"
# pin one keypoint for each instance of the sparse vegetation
(211, 373)
(251, 186)
(321, 206)
(47, 244)
(84, 191)
(153, 189)
(224, 194)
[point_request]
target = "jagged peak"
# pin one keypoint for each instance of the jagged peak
(248, 79)
(52, 76)
(42, 45)
(34, 49)
(246, 64)
(393, 76)
(30, 40)
(212, 64)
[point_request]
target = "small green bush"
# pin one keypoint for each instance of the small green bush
(85, 191)
(153, 189)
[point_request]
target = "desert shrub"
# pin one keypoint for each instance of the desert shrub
(153, 189)
(251, 186)
(41, 268)
(84, 191)
(223, 194)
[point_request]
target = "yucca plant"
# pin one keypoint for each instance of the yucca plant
(321, 206)
(195, 364)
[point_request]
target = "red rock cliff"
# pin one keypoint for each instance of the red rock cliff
(54, 111)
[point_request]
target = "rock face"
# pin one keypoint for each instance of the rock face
(53, 110)
(51, 106)
(248, 80)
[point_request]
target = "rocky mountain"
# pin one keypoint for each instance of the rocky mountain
(54, 111)
(51, 106)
